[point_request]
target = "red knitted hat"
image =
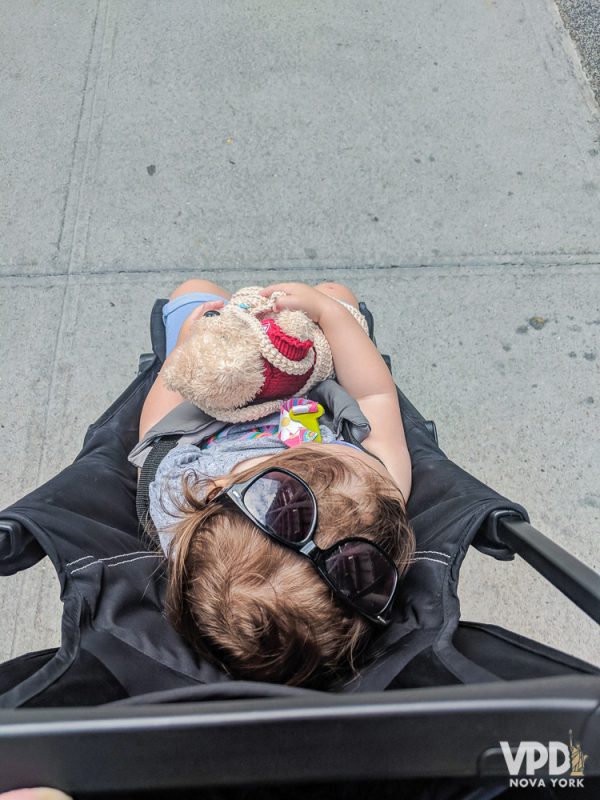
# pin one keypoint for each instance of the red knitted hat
(279, 383)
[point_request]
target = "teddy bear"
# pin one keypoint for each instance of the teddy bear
(238, 364)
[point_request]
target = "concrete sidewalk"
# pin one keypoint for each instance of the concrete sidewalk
(441, 158)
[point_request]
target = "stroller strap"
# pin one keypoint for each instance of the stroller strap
(159, 450)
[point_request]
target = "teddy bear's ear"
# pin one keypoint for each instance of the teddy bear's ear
(250, 299)
(296, 323)
(219, 365)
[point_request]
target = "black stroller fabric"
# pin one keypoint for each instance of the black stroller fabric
(116, 642)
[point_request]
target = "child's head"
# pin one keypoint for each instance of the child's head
(261, 610)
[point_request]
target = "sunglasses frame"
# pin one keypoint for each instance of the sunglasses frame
(307, 547)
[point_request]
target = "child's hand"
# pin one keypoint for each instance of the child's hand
(200, 311)
(300, 297)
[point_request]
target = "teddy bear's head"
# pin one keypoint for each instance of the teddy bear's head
(239, 364)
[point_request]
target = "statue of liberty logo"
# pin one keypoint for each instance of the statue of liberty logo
(578, 757)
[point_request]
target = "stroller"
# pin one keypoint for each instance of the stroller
(448, 709)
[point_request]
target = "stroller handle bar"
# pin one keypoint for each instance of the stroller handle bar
(565, 572)
(446, 731)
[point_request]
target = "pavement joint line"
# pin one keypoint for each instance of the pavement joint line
(100, 93)
(570, 261)
(77, 174)
(75, 147)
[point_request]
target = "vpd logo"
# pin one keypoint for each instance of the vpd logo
(555, 760)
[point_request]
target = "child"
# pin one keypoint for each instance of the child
(241, 588)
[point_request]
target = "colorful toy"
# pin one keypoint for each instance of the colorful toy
(298, 421)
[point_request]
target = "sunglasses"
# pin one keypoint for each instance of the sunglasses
(284, 507)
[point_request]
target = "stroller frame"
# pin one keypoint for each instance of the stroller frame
(440, 731)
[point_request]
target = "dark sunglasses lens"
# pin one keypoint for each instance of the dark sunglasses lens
(283, 505)
(362, 574)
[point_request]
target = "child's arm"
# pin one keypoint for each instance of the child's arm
(161, 400)
(361, 371)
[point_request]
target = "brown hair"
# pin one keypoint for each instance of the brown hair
(259, 610)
